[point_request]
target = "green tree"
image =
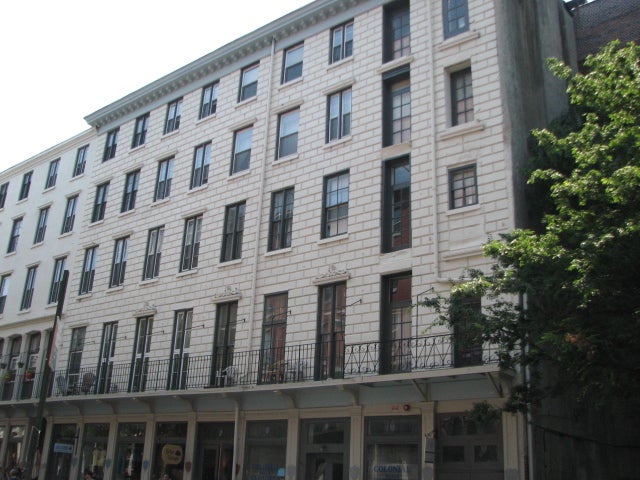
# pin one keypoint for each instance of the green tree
(574, 280)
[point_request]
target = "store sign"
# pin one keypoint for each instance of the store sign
(394, 471)
(172, 454)
(62, 448)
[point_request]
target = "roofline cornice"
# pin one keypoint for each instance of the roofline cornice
(230, 53)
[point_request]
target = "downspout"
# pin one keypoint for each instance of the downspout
(256, 250)
(529, 418)
(236, 426)
(433, 152)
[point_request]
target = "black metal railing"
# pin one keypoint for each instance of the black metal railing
(290, 364)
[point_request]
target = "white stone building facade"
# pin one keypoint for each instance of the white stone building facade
(252, 236)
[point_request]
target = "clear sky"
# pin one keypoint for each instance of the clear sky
(65, 59)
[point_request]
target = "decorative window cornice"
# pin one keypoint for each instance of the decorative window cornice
(147, 310)
(228, 294)
(332, 275)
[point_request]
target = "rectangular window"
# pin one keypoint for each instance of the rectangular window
(456, 17)
(461, 97)
(335, 209)
(81, 161)
(397, 108)
(52, 175)
(88, 270)
(111, 144)
(130, 191)
(274, 331)
(180, 346)
(76, 347)
(233, 229)
(241, 150)
(25, 186)
(397, 31)
(266, 449)
(288, 124)
(15, 235)
(466, 312)
(339, 115)
(395, 333)
(201, 161)
(396, 228)
(174, 112)
(341, 42)
(29, 286)
(331, 324)
(141, 349)
(163, 179)
(209, 100)
(140, 130)
(119, 263)
(393, 444)
(56, 279)
(280, 225)
(153, 253)
(248, 82)
(224, 340)
(100, 202)
(41, 227)
(4, 188)
(463, 187)
(69, 214)
(105, 360)
(5, 280)
(191, 243)
(292, 63)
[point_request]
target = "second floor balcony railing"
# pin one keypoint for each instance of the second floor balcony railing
(330, 359)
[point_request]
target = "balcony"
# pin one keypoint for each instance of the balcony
(287, 365)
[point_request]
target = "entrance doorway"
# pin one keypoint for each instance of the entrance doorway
(214, 451)
(325, 466)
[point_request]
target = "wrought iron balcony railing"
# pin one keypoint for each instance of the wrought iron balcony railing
(330, 359)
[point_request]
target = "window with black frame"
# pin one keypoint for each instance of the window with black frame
(392, 448)
(266, 449)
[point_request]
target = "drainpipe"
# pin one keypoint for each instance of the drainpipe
(256, 250)
(236, 425)
(529, 417)
(434, 158)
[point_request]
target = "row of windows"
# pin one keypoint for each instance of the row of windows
(332, 309)
(396, 128)
(397, 35)
(41, 227)
(29, 285)
(396, 232)
(52, 176)
(397, 114)
(397, 44)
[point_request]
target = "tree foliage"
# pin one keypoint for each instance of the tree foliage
(572, 283)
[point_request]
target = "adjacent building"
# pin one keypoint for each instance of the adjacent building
(249, 239)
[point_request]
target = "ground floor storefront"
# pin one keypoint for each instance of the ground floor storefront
(394, 430)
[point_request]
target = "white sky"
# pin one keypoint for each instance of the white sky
(65, 59)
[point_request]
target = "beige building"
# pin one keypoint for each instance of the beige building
(252, 236)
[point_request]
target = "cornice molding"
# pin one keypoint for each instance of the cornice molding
(233, 52)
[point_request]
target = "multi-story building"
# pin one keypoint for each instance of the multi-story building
(251, 242)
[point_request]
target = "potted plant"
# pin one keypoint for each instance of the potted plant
(29, 374)
(8, 376)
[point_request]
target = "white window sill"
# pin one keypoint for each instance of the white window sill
(186, 273)
(280, 251)
(462, 210)
(230, 263)
(459, 130)
(458, 39)
(335, 238)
